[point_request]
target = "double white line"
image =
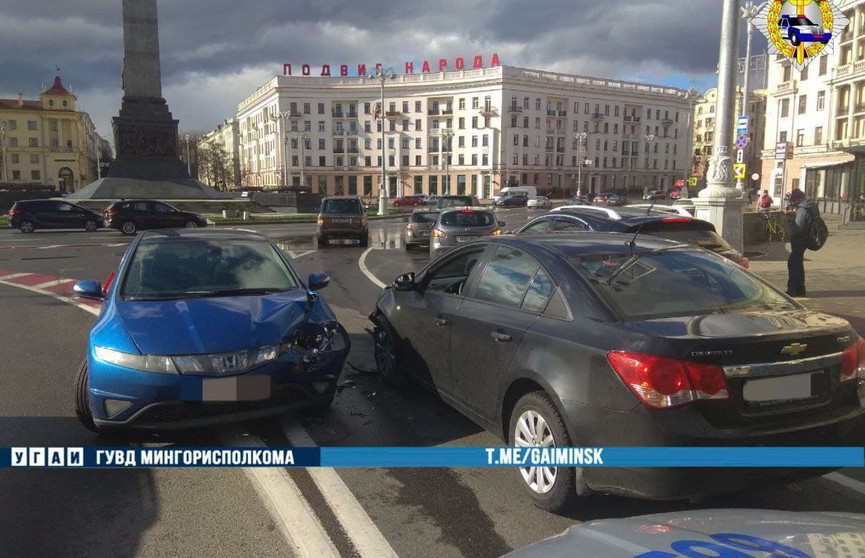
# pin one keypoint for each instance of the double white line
(301, 527)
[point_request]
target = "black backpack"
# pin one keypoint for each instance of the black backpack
(818, 232)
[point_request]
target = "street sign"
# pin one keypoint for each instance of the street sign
(755, 176)
(741, 141)
(739, 171)
(742, 125)
(692, 181)
(781, 150)
(740, 156)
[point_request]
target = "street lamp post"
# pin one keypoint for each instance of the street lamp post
(384, 192)
(447, 134)
(302, 139)
(98, 154)
(285, 115)
(188, 160)
(749, 10)
(3, 151)
(649, 139)
(581, 138)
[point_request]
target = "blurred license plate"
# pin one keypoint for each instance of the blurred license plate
(464, 238)
(341, 221)
(239, 388)
(424, 233)
(798, 386)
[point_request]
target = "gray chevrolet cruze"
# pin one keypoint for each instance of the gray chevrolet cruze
(460, 225)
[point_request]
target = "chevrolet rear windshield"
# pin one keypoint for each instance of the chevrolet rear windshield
(468, 219)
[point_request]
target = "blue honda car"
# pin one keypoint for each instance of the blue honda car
(201, 326)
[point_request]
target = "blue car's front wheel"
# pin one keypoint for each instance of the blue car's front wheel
(82, 398)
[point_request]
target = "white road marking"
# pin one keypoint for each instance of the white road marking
(362, 265)
(287, 506)
(13, 276)
(5, 281)
(294, 255)
(846, 482)
(53, 283)
(362, 531)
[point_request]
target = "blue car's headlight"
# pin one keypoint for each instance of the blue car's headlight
(149, 363)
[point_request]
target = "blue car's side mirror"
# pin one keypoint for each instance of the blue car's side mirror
(318, 281)
(88, 288)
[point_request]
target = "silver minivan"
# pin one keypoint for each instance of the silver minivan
(459, 225)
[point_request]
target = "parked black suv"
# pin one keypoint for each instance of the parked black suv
(342, 217)
(29, 215)
(131, 216)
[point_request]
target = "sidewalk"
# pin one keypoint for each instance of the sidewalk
(834, 275)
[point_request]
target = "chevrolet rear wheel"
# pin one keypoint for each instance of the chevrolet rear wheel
(536, 423)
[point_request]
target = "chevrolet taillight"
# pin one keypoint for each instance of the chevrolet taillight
(853, 362)
(14, 212)
(662, 382)
(363, 221)
(438, 233)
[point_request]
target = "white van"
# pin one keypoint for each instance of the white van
(508, 191)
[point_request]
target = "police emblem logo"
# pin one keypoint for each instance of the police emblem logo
(800, 30)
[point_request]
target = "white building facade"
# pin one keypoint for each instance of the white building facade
(467, 131)
(815, 124)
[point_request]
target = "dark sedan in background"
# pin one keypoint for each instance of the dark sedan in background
(129, 217)
(657, 222)
(607, 339)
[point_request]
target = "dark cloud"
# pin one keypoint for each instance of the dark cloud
(215, 52)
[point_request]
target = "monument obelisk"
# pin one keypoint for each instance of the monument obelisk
(145, 135)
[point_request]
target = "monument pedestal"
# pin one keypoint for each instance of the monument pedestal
(725, 212)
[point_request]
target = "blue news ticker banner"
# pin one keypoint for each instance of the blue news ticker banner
(92, 457)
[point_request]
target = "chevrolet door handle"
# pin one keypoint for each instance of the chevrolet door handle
(440, 322)
(500, 337)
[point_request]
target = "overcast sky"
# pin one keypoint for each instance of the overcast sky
(214, 53)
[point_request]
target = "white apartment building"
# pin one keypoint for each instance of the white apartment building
(225, 137)
(467, 131)
(815, 124)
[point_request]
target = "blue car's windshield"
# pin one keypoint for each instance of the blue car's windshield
(172, 268)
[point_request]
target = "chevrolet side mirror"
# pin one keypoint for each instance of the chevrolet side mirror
(405, 282)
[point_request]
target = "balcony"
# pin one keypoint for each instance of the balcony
(392, 114)
(433, 112)
(632, 118)
(551, 113)
(433, 149)
(515, 108)
(563, 113)
(597, 116)
(667, 122)
(338, 149)
(447, 112)
(338, 132)
(337, 114)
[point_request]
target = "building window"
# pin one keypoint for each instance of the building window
(307, 126)
(785, 107)
(787, 72)
(475, 159)
(35, 175)
(417, 106)
(33, 142)
(800, 137)
(474, 122)
(823, 62)
(34, 159)
(462, 103)
(405, 106)
(803, 103)
(474, 141)
(417, 125)
(321, 125)
(586, 108)
(16, 175)
(821, 100)
(782, 137)
(475, 102)
(818, 135)
(31, 124)
(320, 108)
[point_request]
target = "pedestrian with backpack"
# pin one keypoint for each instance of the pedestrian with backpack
(765, 202)
(804, 220)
